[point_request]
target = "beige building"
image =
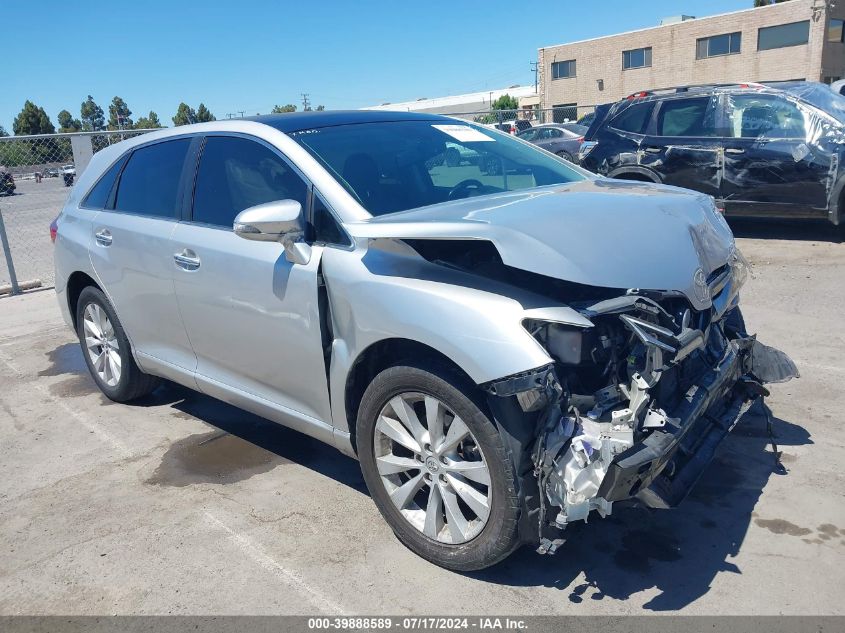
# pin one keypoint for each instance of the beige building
(799, 39)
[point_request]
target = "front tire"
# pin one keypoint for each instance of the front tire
(106, 349)
(437, 468)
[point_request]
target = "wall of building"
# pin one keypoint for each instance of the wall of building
(674, 60)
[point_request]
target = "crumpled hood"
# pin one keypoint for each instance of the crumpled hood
(600, 232)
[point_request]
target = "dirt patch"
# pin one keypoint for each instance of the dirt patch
(79, 385)
(779, 526)
(216, 458)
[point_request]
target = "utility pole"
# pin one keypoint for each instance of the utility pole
(306, 105)
(534, 67)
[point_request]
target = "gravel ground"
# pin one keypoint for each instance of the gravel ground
(182, 504)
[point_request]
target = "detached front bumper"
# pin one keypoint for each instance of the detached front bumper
(661, 470)
(653, 445)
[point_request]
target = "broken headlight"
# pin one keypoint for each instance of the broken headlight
(564, 343)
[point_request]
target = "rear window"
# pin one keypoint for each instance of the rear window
(686, 117)
(633, 118)
(99, 194)
(149, 184)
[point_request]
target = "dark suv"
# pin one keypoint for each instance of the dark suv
(773, 150)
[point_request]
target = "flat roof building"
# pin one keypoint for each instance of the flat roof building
(799, 39)
(465, 103)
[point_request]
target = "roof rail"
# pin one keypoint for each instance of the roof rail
(694, 88)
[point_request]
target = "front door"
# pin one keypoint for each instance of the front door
(252, 317)
(771, 165)
(133, 258)
(683, 146)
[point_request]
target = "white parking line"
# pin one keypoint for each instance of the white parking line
(91, 425)
(289, 577)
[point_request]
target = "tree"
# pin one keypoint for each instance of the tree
(320, 108)
(203, 114)
(32, 120)
(3, 131)
(67, 123)
(185, 114)
(92, 115)
(119, 115)
(277, 109)
(505, 102)
(148, 122)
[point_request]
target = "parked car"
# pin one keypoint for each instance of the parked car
(772, 150)
(838, 87)
(503, 354)
(7, 182)
(52, 172)
(587, 119)
(513, 127)
(563, 139)
(68, 174)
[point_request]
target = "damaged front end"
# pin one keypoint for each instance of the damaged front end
(635, 406)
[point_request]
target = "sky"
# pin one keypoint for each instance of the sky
(248, 55)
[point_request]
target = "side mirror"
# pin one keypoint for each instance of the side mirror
(278, 221)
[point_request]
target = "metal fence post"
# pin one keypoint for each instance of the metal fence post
(8, 253)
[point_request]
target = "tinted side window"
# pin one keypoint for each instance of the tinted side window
(150, 182)
(686, 117)
(237, 173)
(634, 118)
(99, 194)
(326, 227)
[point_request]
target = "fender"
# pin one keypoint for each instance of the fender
(386, 290)
(837, 197)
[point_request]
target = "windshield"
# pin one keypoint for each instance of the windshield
(399, 165)
(820, 96)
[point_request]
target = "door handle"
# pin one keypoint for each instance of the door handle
(103, 237)
(734, 150)
(187, 259)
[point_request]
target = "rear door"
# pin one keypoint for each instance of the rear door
(683, 144)
(133, 258)
(770, 165)
(252, 316)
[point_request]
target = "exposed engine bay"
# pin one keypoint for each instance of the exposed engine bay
(636, 405)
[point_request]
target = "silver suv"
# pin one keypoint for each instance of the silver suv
(503, 352)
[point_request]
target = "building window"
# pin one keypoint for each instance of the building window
(717, 45)
(783, 35)
(637, 58)
(563, 70)
(835, 32)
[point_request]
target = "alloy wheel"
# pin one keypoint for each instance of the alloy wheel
(432, 468)
(101, 344)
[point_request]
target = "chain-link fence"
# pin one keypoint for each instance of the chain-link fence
(36, 173)
(534, 116)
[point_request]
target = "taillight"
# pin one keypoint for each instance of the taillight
(54, 229)
(585, 149)
(580, 139)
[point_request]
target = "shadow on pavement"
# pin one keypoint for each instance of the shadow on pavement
(679, 552)
(804, 230)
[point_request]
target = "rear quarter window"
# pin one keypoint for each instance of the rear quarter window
(686, 117)
(98, 196)
(149, 184)
(634, 118)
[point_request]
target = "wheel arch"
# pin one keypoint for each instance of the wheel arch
(76, 283)
(388, 353)
(632, 172)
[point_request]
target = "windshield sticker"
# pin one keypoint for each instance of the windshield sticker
(463, 133)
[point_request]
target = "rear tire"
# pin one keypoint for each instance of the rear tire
(107, 351)
(566, 156)
(473, 540)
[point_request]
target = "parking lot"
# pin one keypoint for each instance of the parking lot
(181, 504)
(27, 216)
